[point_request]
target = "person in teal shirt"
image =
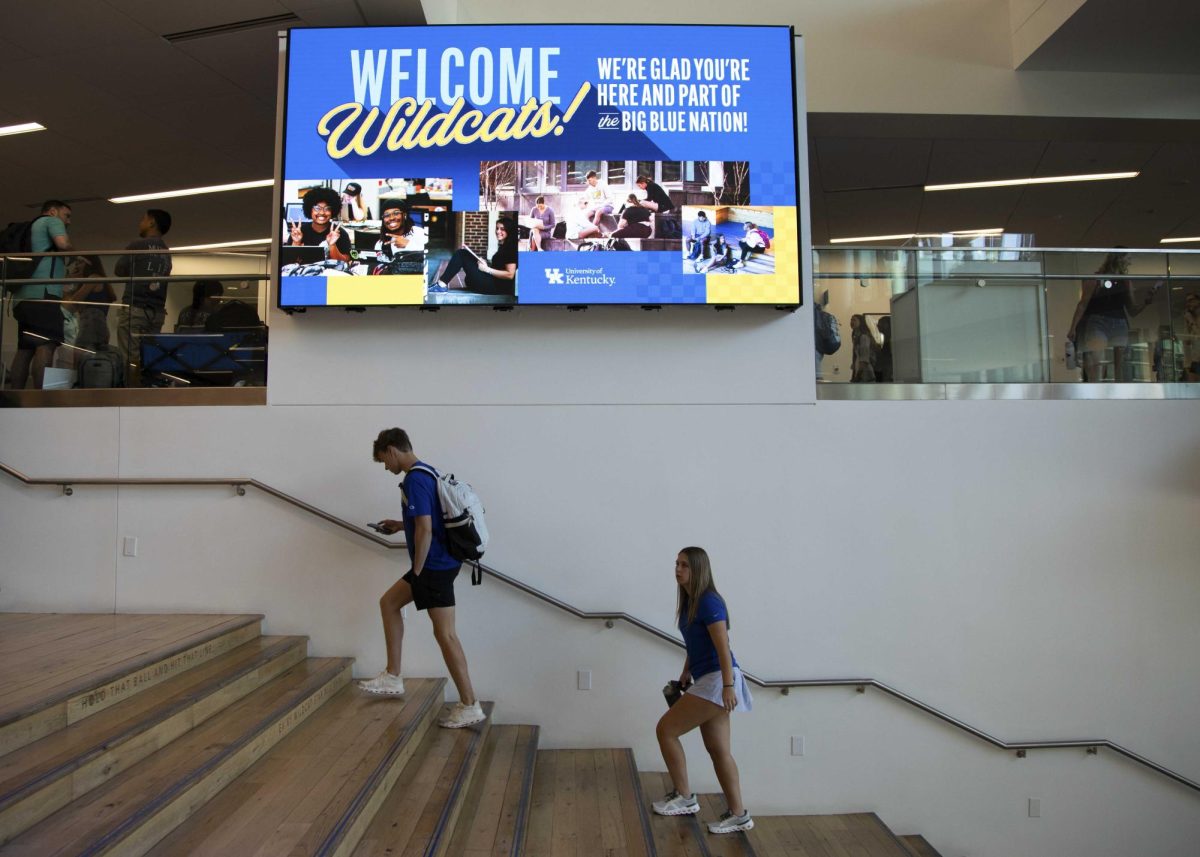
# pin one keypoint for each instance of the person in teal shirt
(37, 307)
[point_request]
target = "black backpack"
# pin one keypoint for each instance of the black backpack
(18, 238)
(828, 337)
(101, 370)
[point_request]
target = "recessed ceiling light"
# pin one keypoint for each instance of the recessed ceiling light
(967, 233)
(192, 191)
(23, 128)
(1179, 240)
(224, 244)
(1091, 177)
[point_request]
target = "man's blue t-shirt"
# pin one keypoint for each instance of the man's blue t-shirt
(41, 240)
(419, 490)
(702, 654)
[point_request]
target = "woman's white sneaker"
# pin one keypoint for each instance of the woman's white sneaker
(463, 715)
(676, 804)
(384, 684)
(730, 823)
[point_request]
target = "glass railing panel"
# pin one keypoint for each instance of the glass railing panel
(113, 320)
(1185, 264)
(982, 315)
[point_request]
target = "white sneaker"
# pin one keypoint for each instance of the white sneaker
(676, 804)
(384, 684)
(463, 715)
(730, 823)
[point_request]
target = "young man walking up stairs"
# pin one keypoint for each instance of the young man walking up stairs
(430, 582)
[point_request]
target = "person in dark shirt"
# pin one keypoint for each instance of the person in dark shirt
(145, 300)
(635, 220)
(1101, 319)
(498, 276)
(657, 199)
(322, 205)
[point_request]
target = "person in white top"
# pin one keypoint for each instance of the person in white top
(579, 221)
(596, 194)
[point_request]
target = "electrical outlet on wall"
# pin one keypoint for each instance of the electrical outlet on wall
(1035, 807)
(129, 546)
(583, 679)
(797, 745)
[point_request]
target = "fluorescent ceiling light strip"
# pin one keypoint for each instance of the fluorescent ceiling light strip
(192, 191)
(23, 128)
(963, 232)
(1179, 240)
(1091, 177)
(224, 244)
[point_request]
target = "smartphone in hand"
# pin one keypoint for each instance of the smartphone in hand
(381, 529)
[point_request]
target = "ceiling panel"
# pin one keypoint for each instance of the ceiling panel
(1062, 214)
(162, 18)
(873, 212)
(955, 161)
(1127, 217)
(56, 30)
(953, 210)
(856, 163)
(1074, 157)
(247, 60)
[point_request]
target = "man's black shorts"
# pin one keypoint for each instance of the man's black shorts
(432, 588)
(39, 323)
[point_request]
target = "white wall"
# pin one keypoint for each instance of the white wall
(1029, 567)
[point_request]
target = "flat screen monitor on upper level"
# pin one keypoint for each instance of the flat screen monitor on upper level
(558, 164)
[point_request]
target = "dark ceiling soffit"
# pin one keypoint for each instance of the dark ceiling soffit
(221, 29)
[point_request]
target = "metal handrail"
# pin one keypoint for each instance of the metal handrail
(1021, 748)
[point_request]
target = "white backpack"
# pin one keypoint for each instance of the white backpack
(462, 514)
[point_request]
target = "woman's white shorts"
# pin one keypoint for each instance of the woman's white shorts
(711, 685)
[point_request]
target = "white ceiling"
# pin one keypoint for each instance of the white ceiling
(130, 112)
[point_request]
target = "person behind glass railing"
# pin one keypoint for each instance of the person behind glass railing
(323, 206)
(1101, 318)
(205, 294)
(883, 355)
(863, 348)
(36, 306)
(1191, 336)
(714, 686)
(145, 302)
(85, 307)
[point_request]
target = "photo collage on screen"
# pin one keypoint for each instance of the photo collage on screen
(592, 206)
(399, 227)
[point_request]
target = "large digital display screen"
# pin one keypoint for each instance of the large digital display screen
(556, 164)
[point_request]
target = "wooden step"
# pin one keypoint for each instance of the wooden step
(315, 791)
(738, 844)
(419, 816)
(588, 802)
(45, 776)
(850, 835)
(495, 814)
(135, 809)
(56, 669)
(677, 835)
(918, 846)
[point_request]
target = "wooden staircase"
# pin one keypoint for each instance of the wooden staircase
(196, 735)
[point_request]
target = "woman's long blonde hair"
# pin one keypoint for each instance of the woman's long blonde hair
(700, 581)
